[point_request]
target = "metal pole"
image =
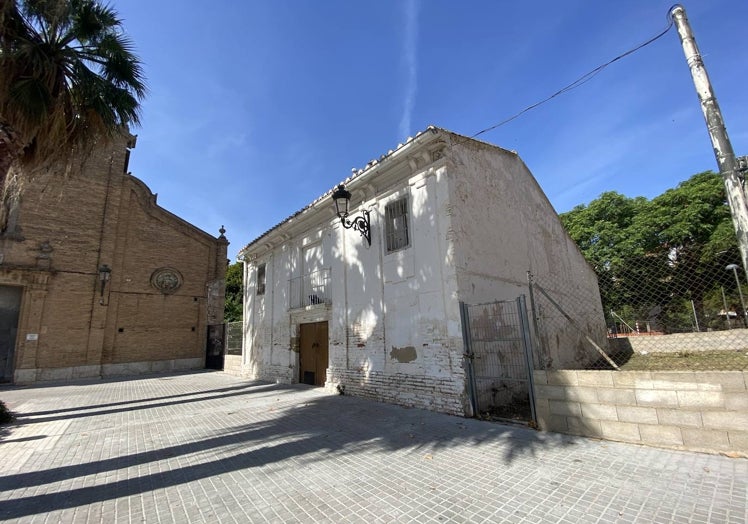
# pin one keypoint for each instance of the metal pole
(728, 165)
(695, 318)
(542, 362)
(734, 268)
(527, 346)
(467, 341)
(727, 310)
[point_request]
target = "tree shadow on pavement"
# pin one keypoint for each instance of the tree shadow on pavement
(308, 428)
(145, 403)
(239, 389)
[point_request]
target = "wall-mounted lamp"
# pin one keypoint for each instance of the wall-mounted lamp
(360, 223)
(105, 272)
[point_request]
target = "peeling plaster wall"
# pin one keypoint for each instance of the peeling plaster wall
(504, 226)
(271, 326)
(477, 222)
(398, 339)
(394, 332)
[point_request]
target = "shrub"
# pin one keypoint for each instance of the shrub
(5, 415)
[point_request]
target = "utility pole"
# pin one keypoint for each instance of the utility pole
(728, 165)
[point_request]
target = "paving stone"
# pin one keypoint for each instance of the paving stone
(209, 447)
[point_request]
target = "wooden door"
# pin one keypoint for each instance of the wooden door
(10, 305)
(313, 354)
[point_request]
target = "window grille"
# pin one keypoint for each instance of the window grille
(261, 279)
(310, 289)
(396, 225)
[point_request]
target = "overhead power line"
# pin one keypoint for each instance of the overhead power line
(582, 79)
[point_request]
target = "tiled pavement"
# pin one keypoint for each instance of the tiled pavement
(207, 447)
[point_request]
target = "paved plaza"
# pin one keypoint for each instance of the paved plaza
(208, 447)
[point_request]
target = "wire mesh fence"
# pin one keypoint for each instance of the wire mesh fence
(655, 313)
(569, 326)
(234, 333)
(497, 345)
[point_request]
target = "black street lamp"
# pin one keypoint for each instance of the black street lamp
(342, 199)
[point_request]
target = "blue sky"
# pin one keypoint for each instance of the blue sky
(257, 108)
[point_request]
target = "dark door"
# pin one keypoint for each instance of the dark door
(313, 354)
(10, 305)
(215, 345)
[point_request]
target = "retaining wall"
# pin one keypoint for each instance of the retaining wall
(728, 340)
(232, 364)
(699, 411)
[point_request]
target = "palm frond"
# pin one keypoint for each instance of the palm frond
(68, 76)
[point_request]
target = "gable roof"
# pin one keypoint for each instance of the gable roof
(370, 166)
(355, 175)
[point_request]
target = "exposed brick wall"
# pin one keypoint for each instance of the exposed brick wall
(445, 395)
(95, 214)
(700, 411)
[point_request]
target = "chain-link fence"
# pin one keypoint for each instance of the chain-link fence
(653, 313)
(569, 326)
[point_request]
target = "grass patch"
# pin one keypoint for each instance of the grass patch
(688, 361)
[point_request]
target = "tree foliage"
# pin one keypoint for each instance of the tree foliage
(234, 292)
(68, 77)
(658, 259)
(6, 417)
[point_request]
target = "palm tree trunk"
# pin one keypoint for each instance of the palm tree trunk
(10, 151)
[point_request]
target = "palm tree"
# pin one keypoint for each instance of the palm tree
(68, 78)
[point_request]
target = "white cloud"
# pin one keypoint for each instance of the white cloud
(606, 145)
(410, 47)
(224, 143)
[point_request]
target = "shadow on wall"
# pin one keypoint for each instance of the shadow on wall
(368, 267)
(620, 351)
(339, 426)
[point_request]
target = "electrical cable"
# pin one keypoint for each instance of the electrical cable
(582, 79)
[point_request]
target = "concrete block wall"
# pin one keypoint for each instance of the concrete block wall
(232, 364)
(699, 411)
(729, 340)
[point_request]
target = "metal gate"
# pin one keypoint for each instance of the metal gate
(499, 354)
(214, 346)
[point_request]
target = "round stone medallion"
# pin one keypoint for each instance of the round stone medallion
(167, 280)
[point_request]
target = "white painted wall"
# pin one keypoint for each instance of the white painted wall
(504, 226)
(477, 220)
(394, 321)
(395, 333)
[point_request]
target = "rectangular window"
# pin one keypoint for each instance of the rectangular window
(396, 225)
(261, 279)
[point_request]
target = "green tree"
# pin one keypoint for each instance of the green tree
(68, 78)
(603, 231)
(657, 260)
(689, 230)
(234, 292)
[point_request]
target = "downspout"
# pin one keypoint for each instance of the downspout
(104, 214)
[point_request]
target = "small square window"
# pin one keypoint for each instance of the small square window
(396, 225)
(261, 279)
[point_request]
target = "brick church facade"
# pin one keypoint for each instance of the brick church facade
(96, 279)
